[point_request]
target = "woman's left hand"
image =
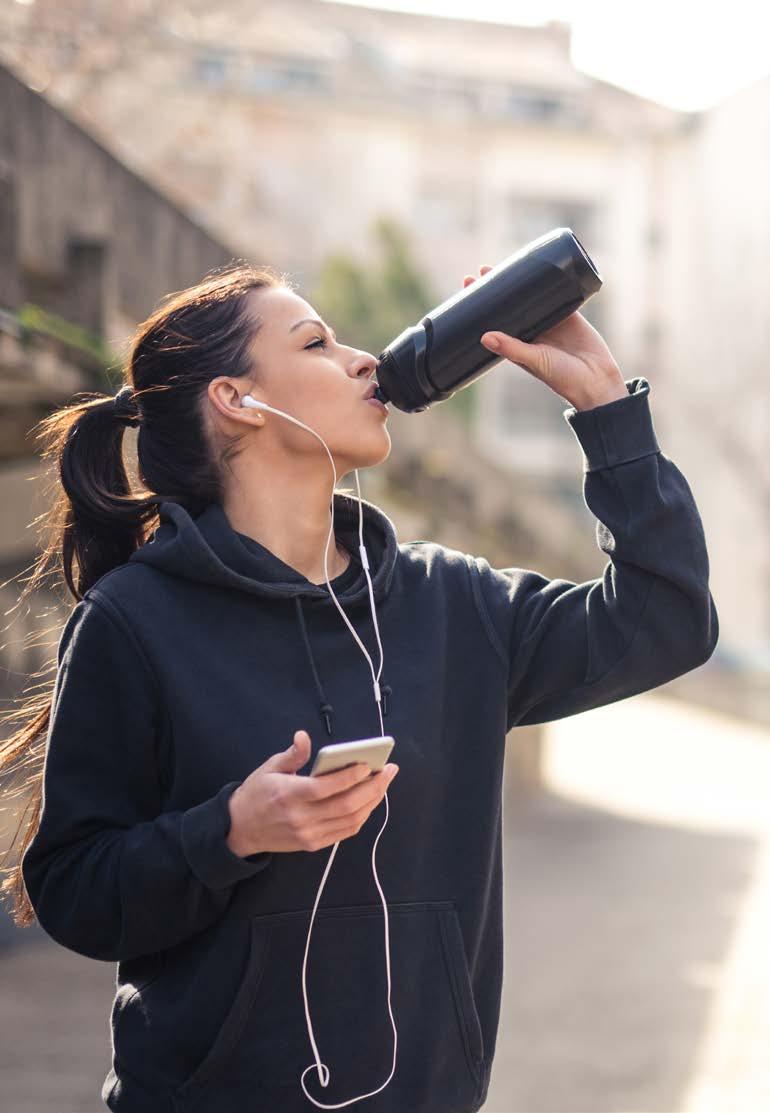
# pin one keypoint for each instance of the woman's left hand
(571, 358)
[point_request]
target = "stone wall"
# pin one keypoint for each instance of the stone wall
(80, 234)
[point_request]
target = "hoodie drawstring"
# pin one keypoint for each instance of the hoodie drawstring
(326, 708)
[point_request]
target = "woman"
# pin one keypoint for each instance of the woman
(205, 662)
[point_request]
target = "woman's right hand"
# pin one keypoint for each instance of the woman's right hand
(274, 810)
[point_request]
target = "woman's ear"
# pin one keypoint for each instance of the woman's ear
(226, 398)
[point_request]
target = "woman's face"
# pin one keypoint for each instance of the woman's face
(305, 371)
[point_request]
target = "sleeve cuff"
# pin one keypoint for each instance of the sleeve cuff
(616, 432)
(205, 828)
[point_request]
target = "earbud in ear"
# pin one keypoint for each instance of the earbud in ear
(251, 403)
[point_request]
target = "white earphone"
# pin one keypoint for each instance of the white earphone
(323, 1070)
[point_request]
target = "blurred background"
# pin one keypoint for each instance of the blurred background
(377, 154)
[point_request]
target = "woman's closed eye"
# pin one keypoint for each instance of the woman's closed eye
(321, 341)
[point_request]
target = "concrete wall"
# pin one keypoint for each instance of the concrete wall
(80, 233)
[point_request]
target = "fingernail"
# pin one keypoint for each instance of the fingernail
(491, 342)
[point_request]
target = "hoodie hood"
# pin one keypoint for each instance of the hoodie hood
(208, 550)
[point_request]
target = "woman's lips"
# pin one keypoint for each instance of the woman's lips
(377, 402)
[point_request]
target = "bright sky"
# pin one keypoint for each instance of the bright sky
(684, 54)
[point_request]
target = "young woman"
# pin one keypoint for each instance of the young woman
(172, 829)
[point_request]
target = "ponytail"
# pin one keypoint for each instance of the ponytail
(103, 523)
(97, 517)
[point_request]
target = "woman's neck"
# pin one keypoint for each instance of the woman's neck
(296, 534)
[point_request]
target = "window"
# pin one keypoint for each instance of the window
(524, 405)
(211, 69)
(540, 106)
(294, 76)
(444, 209)
(445, 93)
(526, 219)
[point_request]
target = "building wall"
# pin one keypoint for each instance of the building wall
(90, 240)
(83, 237)
(715, 294)
(288, 126)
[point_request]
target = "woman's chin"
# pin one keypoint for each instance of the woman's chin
(387, 445)
(380, 456)
(375, 451)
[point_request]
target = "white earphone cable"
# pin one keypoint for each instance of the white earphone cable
(323, 1070)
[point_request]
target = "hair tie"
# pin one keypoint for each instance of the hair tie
(125, 406)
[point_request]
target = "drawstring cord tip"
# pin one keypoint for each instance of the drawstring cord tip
(326, 711)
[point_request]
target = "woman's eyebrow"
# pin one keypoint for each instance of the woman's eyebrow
(313, 321)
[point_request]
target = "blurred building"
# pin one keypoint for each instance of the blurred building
(87, 247)
(288, 126)
(292, 124)
(709, 269)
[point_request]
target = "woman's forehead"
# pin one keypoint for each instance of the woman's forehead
(279, 309)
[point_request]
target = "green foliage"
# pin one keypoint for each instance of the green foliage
(34, 318)
(370, 305)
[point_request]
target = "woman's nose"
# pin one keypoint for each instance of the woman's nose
(367, 366)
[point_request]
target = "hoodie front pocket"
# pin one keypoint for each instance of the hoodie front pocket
(457, 962)
(237, 1015)
(263, 1047)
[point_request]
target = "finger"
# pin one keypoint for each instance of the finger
(351, 807)
(363, 795)
(366, 794)
(330, 784)
(342, 828)
(472, 278)
(533, 357)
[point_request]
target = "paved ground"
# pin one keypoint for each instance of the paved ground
(637, 918)
(54, 1020)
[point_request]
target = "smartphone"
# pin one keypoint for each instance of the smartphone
(373, 752)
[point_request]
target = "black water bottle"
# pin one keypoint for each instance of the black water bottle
(525, 294)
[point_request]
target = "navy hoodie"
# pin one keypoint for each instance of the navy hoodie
(186, 667)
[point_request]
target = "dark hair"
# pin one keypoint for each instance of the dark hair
(96, 518)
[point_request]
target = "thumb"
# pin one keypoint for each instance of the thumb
(534, 358)
(293, 758)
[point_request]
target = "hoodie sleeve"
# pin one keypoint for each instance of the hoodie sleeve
(649, 618)
(108, 873)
